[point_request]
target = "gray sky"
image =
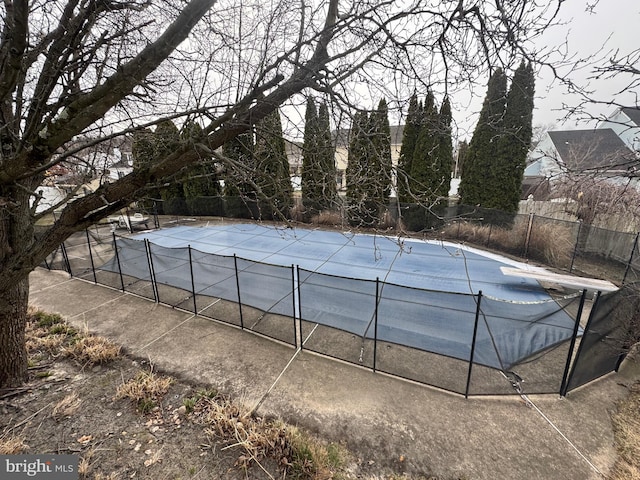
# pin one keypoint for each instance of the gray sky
(583, 33)
(612, 25)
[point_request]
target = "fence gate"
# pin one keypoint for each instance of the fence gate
(608, 335)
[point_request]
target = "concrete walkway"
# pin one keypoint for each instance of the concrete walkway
(379, 417)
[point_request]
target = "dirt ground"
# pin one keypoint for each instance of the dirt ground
(72, 406)
(116, 440)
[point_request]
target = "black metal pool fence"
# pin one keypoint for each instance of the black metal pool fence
(463, 343)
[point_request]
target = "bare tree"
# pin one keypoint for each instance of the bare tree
(595, 179)
(101, 69)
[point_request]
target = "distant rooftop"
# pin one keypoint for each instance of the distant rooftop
(591, 149)
(633, 113)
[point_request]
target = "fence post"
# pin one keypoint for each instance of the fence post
(300, 308)
(375, 324)
(93, 268)
(115, 248)
(129, 225)
(67, 264)
(193, 283)
(592, 314)
(235, 264)
(527, 239)
(575, 247)
(152, 271)
(293, 301)
(633, 250)
(156, 222)
(473, 344)
(572, 344)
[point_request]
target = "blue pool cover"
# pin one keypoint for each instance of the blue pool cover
(427, 295)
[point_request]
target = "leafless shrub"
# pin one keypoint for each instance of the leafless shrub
(595, 197)
(387, 220)
(627, 318)
(297, 213)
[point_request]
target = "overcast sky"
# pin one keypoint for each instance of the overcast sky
(610, 25)
(613, 24)
(583, 32)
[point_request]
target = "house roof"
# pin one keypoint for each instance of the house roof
(591, 149)
(633, 113)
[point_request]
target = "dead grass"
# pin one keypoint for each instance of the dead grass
(548, 243)
(327, 217)
(146, 389)
(68, 406)
(44, 342)
(12, 445)
(551, 244)
(51, 334)
(626, 428)
(92, 350)
(298, 454)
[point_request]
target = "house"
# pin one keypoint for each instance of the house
(89, 157)
(625, 122)
(84, 164)
(608, 151)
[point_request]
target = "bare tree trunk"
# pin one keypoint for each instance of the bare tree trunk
(13, 317)
(16, 235)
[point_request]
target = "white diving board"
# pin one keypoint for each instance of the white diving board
(570, 281)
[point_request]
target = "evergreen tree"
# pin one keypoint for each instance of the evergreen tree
(444, 151)
(239, 150)
(143, 153)
(379, 164)
(273, 177)
(319, 189)
(202, 179)
(463, 151)
(361, 190)
(311, 168)
(424, 164)
(142, 148)
(355, 157)
(478, 179)
(166, 141)
(409, 140)
(326, 160)
(516, 140)
(166, 138)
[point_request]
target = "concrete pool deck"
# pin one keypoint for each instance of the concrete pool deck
(382, 419)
